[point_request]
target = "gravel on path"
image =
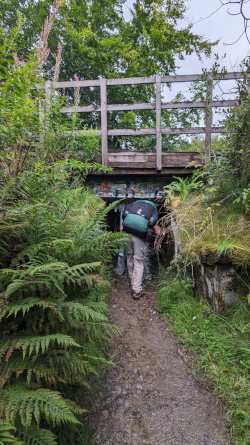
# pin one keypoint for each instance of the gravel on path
(150, 396)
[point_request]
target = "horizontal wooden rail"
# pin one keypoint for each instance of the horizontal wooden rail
(148, 106)
(158, 105)
(147, 131)
(147, 80)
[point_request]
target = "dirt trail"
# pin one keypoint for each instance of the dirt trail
(150, 397)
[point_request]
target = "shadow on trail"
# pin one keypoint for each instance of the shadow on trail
(150, 397)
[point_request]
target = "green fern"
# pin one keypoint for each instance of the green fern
(37, 436)
(35, 344)
(6, 434)
(53, 327)
(17, 403)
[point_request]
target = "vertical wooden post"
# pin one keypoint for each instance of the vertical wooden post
(47, 91)
(104, 121)
(209, 116)
(158, 123)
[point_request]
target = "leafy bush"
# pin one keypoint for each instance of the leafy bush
(52, 296)
(185, 186)
(219, 341)
(229, 172)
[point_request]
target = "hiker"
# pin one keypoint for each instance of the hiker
(139, 219)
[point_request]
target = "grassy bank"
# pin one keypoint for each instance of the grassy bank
(220, 343)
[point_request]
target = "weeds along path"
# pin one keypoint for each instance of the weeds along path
(150, 397)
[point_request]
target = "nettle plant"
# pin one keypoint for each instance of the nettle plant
(53, 327)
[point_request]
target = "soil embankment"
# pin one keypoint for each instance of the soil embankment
(150, 396)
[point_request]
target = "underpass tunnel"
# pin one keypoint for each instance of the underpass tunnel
(131, 188)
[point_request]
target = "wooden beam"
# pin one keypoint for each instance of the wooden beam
(147, 159)
(147, 80)
(131, 80)
(209, 116)
(142, 171)
(194, 77)
(146, 131)
(131, 132)
(158, 123)
(78, 83)
(198, 104)
(149, 106)
(81, 109)
(104, 122)
(128, 107)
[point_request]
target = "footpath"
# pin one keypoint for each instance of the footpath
(150, 396)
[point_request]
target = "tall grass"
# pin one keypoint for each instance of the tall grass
(220, 343)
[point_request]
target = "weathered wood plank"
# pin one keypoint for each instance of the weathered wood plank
(158, 122)
(209, 116)
(146, 80)
(149, 106)
(84, 132)
(131, 132)
(104, 122)
(147, 160)
(128, 172)
(191, 130)
(131, 80)
(146, 131)
(198, 104)
(78, 83)
(81, 109)
(128, 107)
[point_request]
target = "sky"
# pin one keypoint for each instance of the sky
(220, 26)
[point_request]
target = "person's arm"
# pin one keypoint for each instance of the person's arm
(157, 230)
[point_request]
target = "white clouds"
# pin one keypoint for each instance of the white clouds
(220, 26)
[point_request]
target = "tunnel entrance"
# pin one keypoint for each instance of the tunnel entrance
(136, 187)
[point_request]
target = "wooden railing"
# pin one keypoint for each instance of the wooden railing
(158, 106)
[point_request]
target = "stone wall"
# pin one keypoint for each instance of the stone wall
(216, 281)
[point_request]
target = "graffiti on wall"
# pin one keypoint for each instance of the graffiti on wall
(121, 190)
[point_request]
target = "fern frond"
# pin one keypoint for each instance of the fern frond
(37, 436)
(81, 313)
(34, 371)
(48, 274)
(6, 434)
(17, 403)
(25, 305)
(36, 344)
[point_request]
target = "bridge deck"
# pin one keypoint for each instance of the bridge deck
(144, 162)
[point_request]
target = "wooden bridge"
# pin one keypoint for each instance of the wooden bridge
(151, 162)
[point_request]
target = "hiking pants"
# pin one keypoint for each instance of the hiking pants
(135, 250)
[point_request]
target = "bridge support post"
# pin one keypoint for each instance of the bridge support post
(209, 117)
(158, 123)
(104, 121)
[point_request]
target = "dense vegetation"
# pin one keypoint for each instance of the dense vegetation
(53, 288)
(54, 262)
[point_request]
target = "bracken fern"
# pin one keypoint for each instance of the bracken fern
(52, 302)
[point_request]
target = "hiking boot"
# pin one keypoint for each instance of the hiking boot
(137, 295)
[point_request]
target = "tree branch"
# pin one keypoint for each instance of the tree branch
(246, 19)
